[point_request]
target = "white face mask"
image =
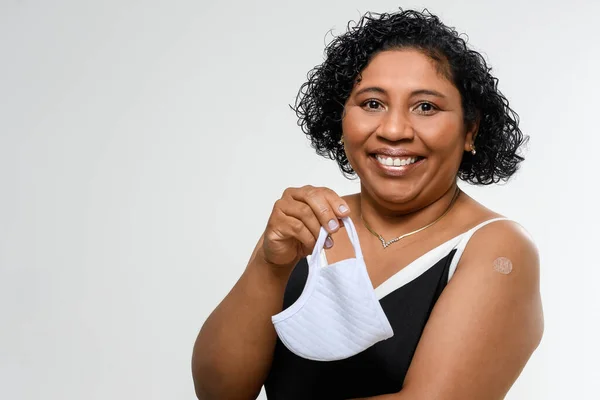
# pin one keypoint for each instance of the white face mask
(338, 314)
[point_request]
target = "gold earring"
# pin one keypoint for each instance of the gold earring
(473, 151)
(341, 141)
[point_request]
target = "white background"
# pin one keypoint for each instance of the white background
(142, 145)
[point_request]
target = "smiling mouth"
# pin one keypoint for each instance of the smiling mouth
(396, 161)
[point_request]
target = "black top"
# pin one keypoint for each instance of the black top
(378, 370)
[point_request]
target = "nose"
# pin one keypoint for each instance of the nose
(396, 126)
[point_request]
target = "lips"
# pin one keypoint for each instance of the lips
(396, 162)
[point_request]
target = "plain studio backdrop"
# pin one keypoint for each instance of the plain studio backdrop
(143, 144)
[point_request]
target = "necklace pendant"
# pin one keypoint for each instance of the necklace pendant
(389, 242)
(384, 243)
(394, 240)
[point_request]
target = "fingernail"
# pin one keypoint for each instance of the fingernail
(343, 208)
(328, 242)
(333, 224)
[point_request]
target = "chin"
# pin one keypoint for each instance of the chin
(397, 199)
(391, 193)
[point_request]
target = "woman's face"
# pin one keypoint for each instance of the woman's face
(403, 129)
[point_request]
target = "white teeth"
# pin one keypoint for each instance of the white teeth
(396, 162)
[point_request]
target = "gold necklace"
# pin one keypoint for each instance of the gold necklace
(394, 240)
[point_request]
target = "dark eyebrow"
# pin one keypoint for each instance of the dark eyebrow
(376, 89)
(428, 92)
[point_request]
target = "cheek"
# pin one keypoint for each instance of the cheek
(356, 125)
(443, 135)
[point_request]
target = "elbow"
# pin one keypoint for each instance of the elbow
(201, 375)
(205, 376)
(203, 388)
(201, 391)
(216, 377)
(213, 383)
(203, 394)
(206, 392)
(200, 394)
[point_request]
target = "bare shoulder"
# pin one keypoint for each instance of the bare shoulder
(487, 321)
(501, 268)
(502, 247)
(497, 243)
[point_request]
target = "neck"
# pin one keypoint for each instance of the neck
(392, 222)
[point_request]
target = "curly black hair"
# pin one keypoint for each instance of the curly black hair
(320, 101)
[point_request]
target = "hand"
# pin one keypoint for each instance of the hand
(296, 220)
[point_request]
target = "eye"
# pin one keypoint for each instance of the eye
(372, 105)
(426, 109)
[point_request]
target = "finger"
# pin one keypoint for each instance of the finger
(340, 206)
(323, 204)
(291, 227)
(303, 212)
(329, 242)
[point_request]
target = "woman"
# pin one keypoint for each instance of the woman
(402, 103)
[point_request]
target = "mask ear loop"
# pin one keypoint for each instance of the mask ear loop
(315, 258)
(353, 235)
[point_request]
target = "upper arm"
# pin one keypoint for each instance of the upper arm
(485, 325)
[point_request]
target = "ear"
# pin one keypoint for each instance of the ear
(472, 130)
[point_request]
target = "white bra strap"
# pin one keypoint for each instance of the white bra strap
(460, 247)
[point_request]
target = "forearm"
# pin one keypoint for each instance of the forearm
(233, 351)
